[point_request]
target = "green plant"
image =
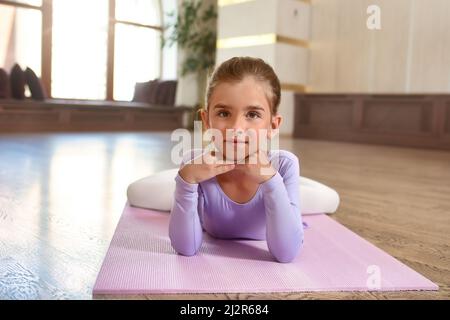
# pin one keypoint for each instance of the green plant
(195, 31)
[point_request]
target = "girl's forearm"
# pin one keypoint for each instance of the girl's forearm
(284, 228)
(185, 229)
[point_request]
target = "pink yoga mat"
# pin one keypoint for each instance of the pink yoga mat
(141, 260)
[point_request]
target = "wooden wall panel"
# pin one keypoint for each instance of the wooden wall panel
(430, 46)
(322, 50)
(404, 120)
(410, 54)
(447, 119)
(388, 48)
(397, 116)
(352, 45)
(337, 114)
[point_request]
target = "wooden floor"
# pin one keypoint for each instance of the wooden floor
(61, 196)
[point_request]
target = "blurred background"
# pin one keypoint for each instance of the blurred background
(159, 53)
(91, 91)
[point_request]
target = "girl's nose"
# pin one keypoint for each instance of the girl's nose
(237, 132)
(238, 127)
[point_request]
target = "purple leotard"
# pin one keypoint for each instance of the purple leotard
(273, 214)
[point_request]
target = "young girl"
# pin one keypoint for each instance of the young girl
(239, 200)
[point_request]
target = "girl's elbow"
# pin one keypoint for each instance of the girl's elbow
(179, 245)
(184, 250)
(286, 256)
(187, 253)
(183, 247)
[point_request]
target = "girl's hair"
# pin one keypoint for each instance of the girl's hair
(237, 68)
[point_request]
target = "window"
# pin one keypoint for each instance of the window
(79, 49)
(30, 2)
(137, 56)
(21, 34)
(88, 49)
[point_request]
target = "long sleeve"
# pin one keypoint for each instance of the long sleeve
(185, 230)
(284, 228)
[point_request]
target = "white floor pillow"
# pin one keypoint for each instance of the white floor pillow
(156, 192)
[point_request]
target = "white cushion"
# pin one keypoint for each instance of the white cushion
(156, 192)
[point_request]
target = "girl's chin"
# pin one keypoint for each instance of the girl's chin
(236, 158)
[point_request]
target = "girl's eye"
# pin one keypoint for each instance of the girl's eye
(221, 112)
(253, 115)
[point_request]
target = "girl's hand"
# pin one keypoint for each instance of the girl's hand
(257, 166)
(209, 167)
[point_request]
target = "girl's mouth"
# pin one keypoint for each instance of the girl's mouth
(235, 141)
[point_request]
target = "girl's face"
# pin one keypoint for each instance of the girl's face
(242, 108)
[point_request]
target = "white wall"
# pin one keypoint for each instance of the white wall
(258, 19)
